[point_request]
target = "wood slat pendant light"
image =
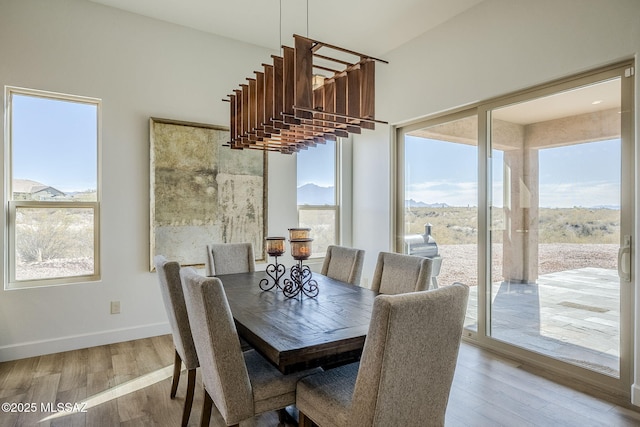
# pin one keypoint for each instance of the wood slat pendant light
(306, 97)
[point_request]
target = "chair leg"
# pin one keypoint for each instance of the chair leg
(177, 367)
(304, 421)
(283, 415)
(206, 409)
(188, 400)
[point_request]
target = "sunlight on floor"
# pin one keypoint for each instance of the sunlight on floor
(118, 391)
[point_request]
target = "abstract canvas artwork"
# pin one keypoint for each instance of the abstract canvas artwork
(202, 192)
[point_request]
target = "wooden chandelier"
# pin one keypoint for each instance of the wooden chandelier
(289, 106)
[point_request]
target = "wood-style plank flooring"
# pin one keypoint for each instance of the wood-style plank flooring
(127, 384)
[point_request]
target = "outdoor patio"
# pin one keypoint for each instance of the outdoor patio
(572, 315)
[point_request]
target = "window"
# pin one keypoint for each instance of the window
(317, 195)
(53, 188)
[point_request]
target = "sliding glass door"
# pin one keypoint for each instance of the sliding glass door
(557, 227)
(440, 203)
(540, 227)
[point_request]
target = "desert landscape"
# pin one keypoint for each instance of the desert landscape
(570, 238)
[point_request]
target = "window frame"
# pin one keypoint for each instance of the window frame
(11, 206)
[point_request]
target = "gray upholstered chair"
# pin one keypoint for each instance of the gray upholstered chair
(404, 376)
(398, 273)
(241, 385)
(185, 350)
(344, 264)
(229, 258)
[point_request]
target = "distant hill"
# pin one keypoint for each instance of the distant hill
(312, 194)
(415, 204)
(607, 207)
(612, 207)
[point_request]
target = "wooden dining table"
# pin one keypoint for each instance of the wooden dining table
(302, 332)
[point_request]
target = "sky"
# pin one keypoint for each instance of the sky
(54, 142)
(317, 165)
(586, 175)
(438, 172)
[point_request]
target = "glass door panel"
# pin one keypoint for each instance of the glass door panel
(440, 209)
(556, 225)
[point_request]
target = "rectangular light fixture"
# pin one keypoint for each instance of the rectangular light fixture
(315, 92)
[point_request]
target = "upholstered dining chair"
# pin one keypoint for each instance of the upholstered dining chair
(241, 385)
(398, 273)
(344, 264)
(405, 374)
(185, 350)
(229, 258)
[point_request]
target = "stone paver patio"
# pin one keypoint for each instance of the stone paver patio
(572, 315)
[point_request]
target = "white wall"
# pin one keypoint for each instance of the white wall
(139, 67)
(495, 48)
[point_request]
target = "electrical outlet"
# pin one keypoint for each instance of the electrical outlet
(115, 307)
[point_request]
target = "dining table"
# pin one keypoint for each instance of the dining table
(302, 332)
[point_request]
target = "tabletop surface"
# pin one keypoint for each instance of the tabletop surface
(302, 332)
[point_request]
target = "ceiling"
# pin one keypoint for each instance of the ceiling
(371, 27)
(583, 100)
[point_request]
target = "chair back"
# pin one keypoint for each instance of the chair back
(224, 373)
(173, 297)
(344, 264)
(409, 358)
(230, 258)
(399, 273)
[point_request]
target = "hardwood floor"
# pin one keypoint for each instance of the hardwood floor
(128, 384)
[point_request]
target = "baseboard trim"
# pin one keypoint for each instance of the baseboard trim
(75, 342)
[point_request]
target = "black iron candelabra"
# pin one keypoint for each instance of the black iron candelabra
(300, 283)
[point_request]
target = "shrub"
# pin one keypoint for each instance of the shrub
(43, 234)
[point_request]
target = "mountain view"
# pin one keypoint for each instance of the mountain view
(312, 194)
(417, 204)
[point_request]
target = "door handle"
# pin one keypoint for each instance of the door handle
(625, 261)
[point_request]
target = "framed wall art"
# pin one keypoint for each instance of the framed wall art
(202, 192)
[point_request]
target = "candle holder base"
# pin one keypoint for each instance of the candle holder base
(301, 282)
(274, 274)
